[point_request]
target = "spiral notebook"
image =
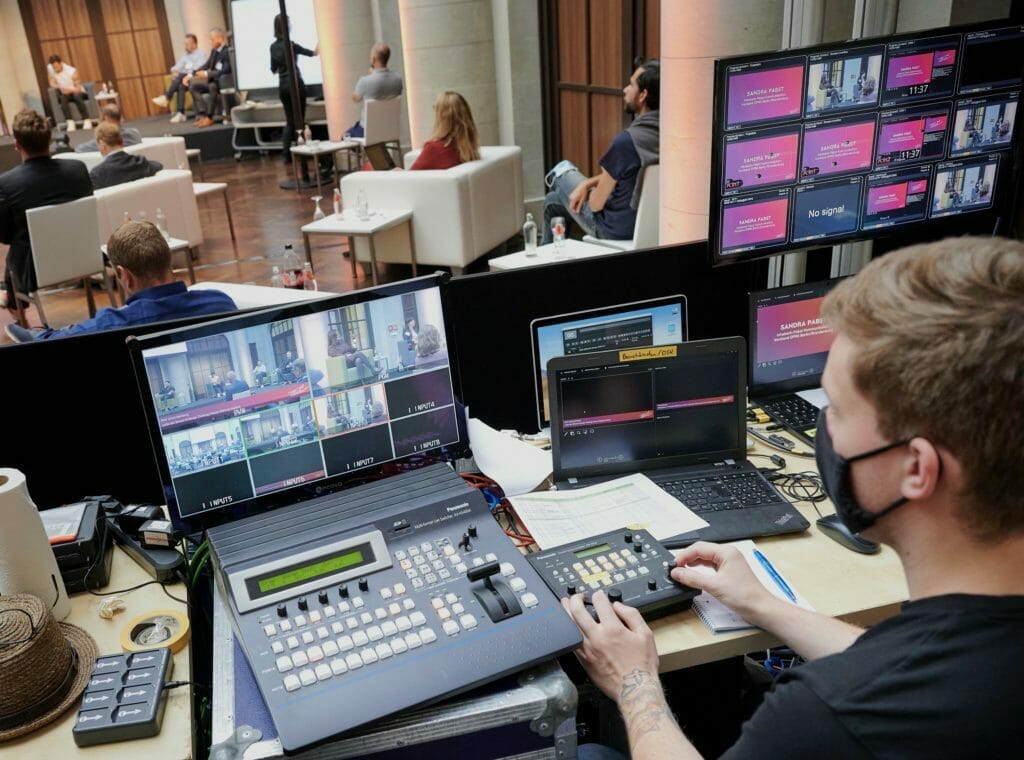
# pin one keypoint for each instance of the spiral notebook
(720, 618)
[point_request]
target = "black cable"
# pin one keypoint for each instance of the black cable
(769, 442)
(178, 684)
(800, 486)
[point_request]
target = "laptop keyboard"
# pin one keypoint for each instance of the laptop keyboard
(793, 412)
(732, 491)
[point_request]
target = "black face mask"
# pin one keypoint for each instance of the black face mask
(835, 477)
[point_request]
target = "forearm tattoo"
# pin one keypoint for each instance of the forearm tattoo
(643, 704)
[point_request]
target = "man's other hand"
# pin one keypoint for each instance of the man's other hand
(578, 197)
(733, 583)
(618, 645)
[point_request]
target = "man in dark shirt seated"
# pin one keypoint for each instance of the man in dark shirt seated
(39, 181)
(234, 384)
(118, 166)
(142, 260)
(604, 205)
(919, 449)
(112, 115)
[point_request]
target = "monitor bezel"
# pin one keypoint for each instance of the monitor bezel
(200, 521)
(1009, 155)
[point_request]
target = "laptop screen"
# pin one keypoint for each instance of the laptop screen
(632, 410)
(631, 325)
(789, 341)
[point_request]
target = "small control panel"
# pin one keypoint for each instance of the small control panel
(631, 566)
(124, 697)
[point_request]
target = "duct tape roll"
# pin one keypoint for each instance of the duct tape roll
(163, 628)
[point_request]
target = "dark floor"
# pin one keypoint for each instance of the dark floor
(266, 218)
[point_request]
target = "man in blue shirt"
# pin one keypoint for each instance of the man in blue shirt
(190, 60)
(142, 260)
(604, 205)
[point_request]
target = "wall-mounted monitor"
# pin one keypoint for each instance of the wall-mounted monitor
(845, 141)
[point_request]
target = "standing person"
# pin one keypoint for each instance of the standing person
(932, 325)
(189, 62)
(454, 140)
(118, 166)
(281, 64)
(64, 78)
(605, 205)
(112, 115)
(207, 78)
(142, 264)
(39, 181)
(409, 334)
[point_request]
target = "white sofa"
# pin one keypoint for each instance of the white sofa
(458, 214)
(169, 151)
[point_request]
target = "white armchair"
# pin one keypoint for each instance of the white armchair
(458, 214)
(169, 151)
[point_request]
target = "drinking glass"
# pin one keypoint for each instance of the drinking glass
(318, 214)
(558, 232)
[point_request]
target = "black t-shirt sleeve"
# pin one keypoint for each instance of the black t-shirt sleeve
(793, 723)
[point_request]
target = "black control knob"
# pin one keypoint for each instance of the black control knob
(614, 595)
(652, 584)
(471, 530)
(303, 604)
(668, 571)
(343, 591)
(638, 547)
(570, 589)
(364, 585)
(282, 610)
(628, 538)
(464, 543)
(322, 596)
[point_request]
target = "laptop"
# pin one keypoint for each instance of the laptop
(675, 413)
(626, 325)
(789, 344)
(379, 157)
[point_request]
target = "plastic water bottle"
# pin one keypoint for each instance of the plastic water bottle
(292, 273)
(276, 278)
(530, 236)
(307, 134)
(362, 205)
(337, 202)
(308, 280)
(161, 223)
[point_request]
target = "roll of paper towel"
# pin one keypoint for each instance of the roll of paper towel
(27, 564)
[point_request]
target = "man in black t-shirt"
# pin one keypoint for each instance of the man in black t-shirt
(919, 449)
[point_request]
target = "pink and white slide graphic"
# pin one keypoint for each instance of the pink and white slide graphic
(764, 95)
(843, 148)
(757, 223)
(761, 161)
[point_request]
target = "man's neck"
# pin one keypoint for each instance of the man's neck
(26, 157)
(952, 562)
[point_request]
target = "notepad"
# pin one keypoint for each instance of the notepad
(720, 618)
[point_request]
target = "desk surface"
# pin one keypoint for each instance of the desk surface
(547, 254)
(347, 223)
(322, 147)
(175, 737)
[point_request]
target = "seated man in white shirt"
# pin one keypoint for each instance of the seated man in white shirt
(65, 80)
(190, 60)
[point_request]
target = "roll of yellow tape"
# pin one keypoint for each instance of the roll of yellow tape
(163, 628)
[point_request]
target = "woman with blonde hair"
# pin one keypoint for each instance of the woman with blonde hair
(454, 140)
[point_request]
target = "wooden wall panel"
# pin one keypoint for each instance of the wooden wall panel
(572, 41)
(151, 52)
(652, 29)
(606, 122)
(143, 14)
(606, 64)
(122, 55)
(49, 25)
(83, 56)
(76, 18)
(133, 98)
(115, 16)
(575, 137)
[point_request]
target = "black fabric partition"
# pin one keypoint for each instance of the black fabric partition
(493, 312)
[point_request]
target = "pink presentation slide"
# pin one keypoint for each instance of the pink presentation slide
(887, 197)
(761, 161)
(838, 149)
(905, 135)
(944, 58)
(792, 329)
(909, 70)
(935, 123)
(754, 223)
(917, 186)
(762, 95)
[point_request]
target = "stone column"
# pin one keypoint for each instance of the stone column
(199, 17)
(18, 86)
(345, 33)
(692, 36)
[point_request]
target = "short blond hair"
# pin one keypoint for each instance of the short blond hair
(110, 135)
(939, 336)
(140, 248)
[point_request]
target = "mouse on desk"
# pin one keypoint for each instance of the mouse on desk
(836, 529)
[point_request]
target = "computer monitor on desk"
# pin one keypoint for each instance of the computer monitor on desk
(257, 411)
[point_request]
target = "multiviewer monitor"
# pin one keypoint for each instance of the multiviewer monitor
(846, 141)
(251, 412)
(789, 341)
(631, 325)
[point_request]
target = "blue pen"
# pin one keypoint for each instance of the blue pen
(775, 575)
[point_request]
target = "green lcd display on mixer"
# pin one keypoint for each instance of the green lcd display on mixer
(631, 566)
